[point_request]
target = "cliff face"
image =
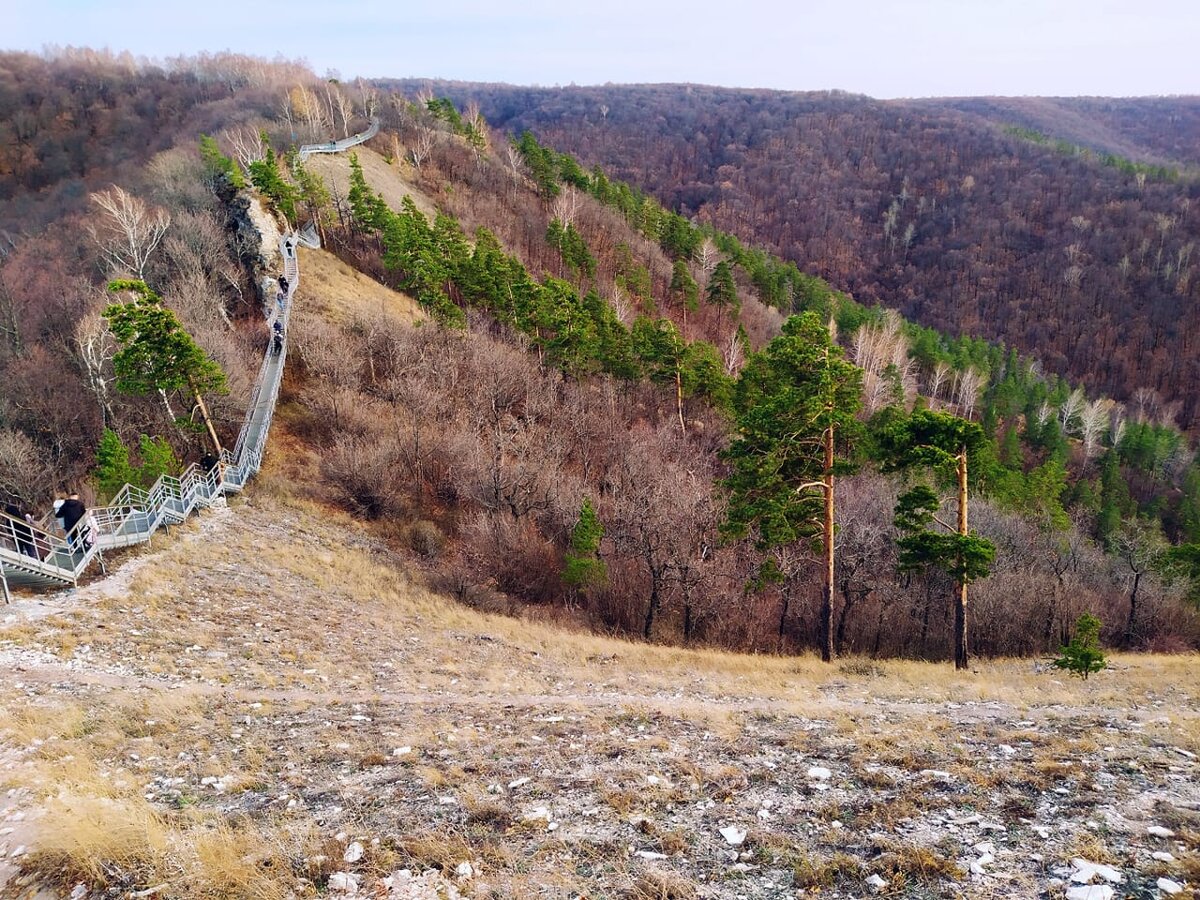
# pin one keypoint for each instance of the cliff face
(256, 235)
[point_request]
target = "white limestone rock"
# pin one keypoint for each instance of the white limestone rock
(733, 835)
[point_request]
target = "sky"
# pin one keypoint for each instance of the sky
(884, 48)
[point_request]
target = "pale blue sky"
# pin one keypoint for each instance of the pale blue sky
(881, 48)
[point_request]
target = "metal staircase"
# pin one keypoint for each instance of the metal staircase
(33, 555)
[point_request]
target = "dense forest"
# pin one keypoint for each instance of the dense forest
(932, 208)
(570, 430)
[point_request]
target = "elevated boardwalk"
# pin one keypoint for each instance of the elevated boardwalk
(34, 556)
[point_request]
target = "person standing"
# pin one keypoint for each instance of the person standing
(72, 512)
(21, 530)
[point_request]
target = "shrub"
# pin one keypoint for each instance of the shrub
(1082, 656)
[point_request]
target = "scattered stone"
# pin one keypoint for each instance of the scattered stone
(1167, 886)
(1159, 831)
(402, 751)
(819, 773)
(1090, 892)
(977, 866)
(940, 776)
(733, 835)
(343, 883)
(464, 870)
(650, 854)
(1085, 871)
(79, 891)
(518, 782)
(1162, 856)
(540, 813)
(353, 853)
(876, 883)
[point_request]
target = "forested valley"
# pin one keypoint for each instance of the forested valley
(975, 217)
(564, 434)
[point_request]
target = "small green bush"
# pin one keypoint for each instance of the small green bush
(1082, 656)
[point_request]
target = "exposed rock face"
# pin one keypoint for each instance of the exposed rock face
(256, 235)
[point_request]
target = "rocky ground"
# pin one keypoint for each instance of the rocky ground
(263, 705)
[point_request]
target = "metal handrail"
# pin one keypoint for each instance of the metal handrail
(354, 140)
(135, 513)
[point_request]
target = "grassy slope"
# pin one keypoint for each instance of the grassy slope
(217, 715)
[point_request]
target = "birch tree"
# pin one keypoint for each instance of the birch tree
(128, 231)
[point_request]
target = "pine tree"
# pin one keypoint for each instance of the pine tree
(157, 354)
(946, 444)
(113, 469)
(722, 289)
(158, 459)
(794, 401)
(264, 175)
(218, 165)
(1082, 656)
(684, 287)
(584, 568)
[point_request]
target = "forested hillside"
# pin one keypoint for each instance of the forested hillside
(929, 208)
(567, 428)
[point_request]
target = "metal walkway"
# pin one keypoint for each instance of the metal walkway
(362, 137)
(33, 555)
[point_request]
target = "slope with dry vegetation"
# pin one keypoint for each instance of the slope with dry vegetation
(270, 707)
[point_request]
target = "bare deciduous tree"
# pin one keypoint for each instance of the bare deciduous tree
(1093, 422)
(422, 146)
(247, 144)
(23, 472)
(128, 232)
(96, 347)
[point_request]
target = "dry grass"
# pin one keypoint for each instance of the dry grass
(391, 181)
(82, 838)
(321, 629)
(343, 294)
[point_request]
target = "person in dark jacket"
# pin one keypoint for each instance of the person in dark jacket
(283, 283)
(277, 339)
(72, 513)
(21, 531)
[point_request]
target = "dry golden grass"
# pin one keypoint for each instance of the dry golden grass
(81, 837)
(343, 294)
(392, 181)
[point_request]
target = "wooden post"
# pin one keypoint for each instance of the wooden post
(961, 656)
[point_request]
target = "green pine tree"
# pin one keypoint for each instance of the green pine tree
(1082, 657)
(158, 459)
(157, 354)
(113, 469)
(795, 400)
(946, 444)
(583, 567)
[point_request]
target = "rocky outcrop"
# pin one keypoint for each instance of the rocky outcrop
(256, 237)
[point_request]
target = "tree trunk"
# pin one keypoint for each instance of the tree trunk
(786, 593)
(167, 404)
(1131, 625)
(212, 432)
(679, 398)
(961, 657)
(652, 608)
(827, 593)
